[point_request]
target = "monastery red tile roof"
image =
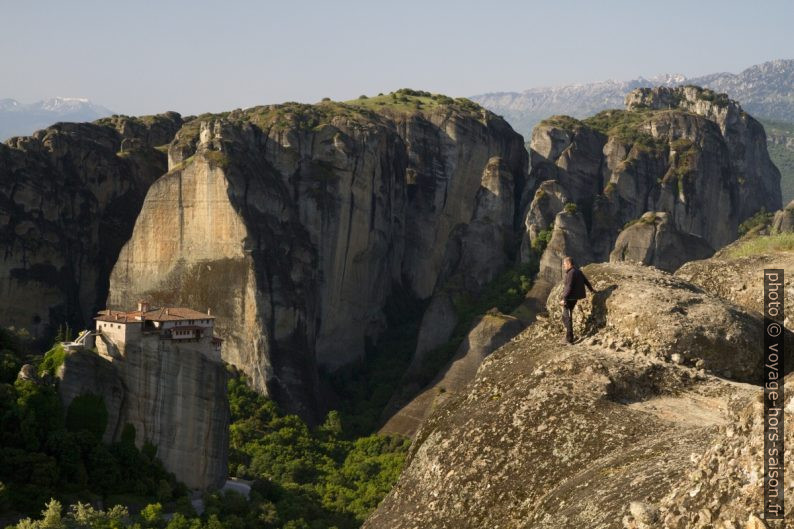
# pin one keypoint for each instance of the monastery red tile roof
(158, 314)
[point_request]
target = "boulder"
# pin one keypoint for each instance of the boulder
(655, 312)
(655, 240)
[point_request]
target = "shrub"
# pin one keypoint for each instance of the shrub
(542, 240)
(53, 359)
(761, 218)
(570, 208)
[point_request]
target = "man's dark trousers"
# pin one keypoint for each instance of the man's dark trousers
(567, 318)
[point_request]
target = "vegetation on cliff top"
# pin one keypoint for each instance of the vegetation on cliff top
(303, 116)
(563, 122)
(407, 100)
(627, 126)
(779, 242)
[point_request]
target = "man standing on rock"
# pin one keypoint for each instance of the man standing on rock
(575, 283)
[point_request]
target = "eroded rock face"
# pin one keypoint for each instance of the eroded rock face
(660, 314)
(174, 396)
(293, 223)
(655, 240)
(85, 372)
(744, 138)
(602, 432)
(569, 237)
(740, 280)
(687, 152)
(548, 200)
(724, 486)
(69, 196)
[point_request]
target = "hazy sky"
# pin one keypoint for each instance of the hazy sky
(193, 56)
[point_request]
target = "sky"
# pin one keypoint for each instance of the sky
(143, 57)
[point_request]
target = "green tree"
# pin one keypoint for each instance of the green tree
(51, 516)
(152, 515)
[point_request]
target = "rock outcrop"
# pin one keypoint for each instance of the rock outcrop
(656, 313)
(548, 201)
(69, 197)
(293, 223)
(605, 431)
(783, 221)
(174, 396)
(655, 240)
(689, 153)
(740, 279)
(569, 237)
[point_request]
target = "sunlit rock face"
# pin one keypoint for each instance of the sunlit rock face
(294, 223)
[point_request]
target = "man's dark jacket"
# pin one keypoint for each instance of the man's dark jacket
(575, 283)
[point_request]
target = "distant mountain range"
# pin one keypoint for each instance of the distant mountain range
(18, 119)
(765, 90)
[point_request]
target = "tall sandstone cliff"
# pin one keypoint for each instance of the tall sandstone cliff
(294, 223)
(174, 395)
(688, 154)
(69, 197)
(661, 183)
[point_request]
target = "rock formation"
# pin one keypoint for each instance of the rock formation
(549, 200)
(688, 153)
(740, 279)
(783, 221)
(651, 417)
(69, 196)
(569, 237)
(655, 240)
(293, 223)
(174, 397)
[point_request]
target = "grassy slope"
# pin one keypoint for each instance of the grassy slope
(780, 242)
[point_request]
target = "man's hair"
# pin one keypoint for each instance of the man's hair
(569, 259)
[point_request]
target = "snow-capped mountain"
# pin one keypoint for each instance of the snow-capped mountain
(18, 119)
(765, 90)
